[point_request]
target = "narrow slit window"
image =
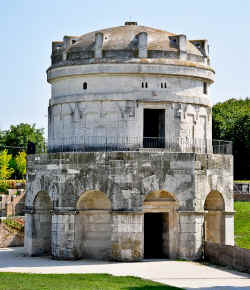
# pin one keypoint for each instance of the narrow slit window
(142, 85)
(165, 85)
(205, 88)
(146, 85)
(161, 85)
(85, 86)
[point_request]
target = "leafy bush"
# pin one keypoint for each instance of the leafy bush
(231, 121)
(5, 170)
(4, 187)
(14, 224)
(13, 184)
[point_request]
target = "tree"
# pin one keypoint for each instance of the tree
(17, 137)
(5, 170)
(21, 163)
(231, 121)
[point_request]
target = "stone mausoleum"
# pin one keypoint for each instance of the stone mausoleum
(131, 171)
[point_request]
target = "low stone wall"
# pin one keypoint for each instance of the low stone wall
(235, 257)
(242, 187)
(241, 196)
(241, 191)
(12, 204)
(10, 237)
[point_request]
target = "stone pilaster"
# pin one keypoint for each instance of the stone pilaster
(28, 241)
(143, 45)
(37, 232)
(191, 234)
(229, 228)
(127, 236)
(63, 235)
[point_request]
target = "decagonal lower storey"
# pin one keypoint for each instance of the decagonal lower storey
(116, 198)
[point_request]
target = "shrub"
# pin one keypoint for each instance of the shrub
(3, 187)
(14, 184)
(14, 224)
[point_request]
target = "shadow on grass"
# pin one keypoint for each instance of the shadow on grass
(222, 288)
(163, 287)
(201, 288)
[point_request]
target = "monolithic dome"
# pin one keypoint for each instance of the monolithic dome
(131, 171)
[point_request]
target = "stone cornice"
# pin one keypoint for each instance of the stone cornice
(181, 68)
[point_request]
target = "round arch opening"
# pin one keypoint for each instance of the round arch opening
(214, 207)
(94, 225)
(92, 200)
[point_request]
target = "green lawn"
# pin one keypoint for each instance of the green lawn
(242, 224)
(19, 281)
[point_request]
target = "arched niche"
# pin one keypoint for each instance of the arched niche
(41, 225)
(214, 201)
(42, 201)
(160, 195)
(68, 196)
(94, 199)
(214, 207)
(160, 225)
(93, 225)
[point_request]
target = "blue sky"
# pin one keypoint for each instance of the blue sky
(29, 26)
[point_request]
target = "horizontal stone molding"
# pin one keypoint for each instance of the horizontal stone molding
(135, 95)
(180, 212)
(64, 212)
(231, 213)
(204, 212)
(183, 69)
(127, 212)
(93, 210)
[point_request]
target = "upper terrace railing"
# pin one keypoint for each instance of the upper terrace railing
(121, 143)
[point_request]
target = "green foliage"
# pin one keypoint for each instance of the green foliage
(12, 223)
(21, 281)
(17, 138)
(4, 187)
(15, 183)
(231, 121)
(242, 224)
(20, 161)
(12, 165)
(5, 170)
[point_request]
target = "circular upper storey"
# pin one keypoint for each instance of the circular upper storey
(130, 81)
(130, 44)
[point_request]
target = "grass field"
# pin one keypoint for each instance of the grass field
(19, 281)
(242, 224)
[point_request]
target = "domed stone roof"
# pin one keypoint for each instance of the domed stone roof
(126, 38)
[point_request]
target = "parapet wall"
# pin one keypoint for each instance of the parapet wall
(237, 258)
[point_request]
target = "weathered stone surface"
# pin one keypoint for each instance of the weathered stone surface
(109, 89)
(227, 255)
(116, 222)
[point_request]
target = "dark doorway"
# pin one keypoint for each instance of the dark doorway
(154, 128)
(153, 236)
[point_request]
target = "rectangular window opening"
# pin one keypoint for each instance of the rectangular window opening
(205, 88)
(154, 128)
